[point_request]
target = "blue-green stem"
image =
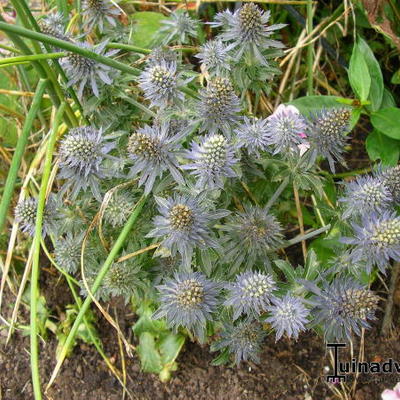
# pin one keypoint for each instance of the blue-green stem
(309, 235)
(100, 276)
(19, 152)
(277, 193)
(36, 252)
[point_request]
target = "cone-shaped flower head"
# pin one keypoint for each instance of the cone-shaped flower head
(179, 28)
(53, 25)
(248, 31)
(25, 214)
(188, 300)
(214, 57)
(250, 294)
(212, 160)
(184, 225)
(98, 12)
(118, 209)
(254, 135)
(288, 315)
(154, 150)
(342, 307)
(82, 152)
(327, 134)
(85, 72)
(218, 106)
(67, 252)
(376, 241)
(242, 340)
(365, 195)
(250, 236)
(391, 179)
(287, 129)
(160, 84)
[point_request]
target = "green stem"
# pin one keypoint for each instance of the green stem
(139, 105)
(33, 57)
(79, 50)
(100, 276)
(277, 193)
(36, 253)
(19, 152)
(10, 49)
(128, 47)
(310, 49)
(309, 235)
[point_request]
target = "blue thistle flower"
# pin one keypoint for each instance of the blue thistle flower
(85, 72)
(251, 236)
(154, 150)
(162, 54)
(327, 134)
(391, 179)
(67, 252)
(250, 294)
(288, 315)
(188, 300)
(365, 195)
(254, 135)
(160, 84)
(82, 152)
(25, 215)
(214, 57)
(184, 225)
(213, 160)
(124, 279)
(376, 240)
(286, 129)
(343, 307)
(118, 209)
(248, 31)
(242, 340)
(53, 25)
(218, 106)
(97, 12)
(179, 28)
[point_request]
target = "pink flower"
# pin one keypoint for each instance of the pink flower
(394, 394)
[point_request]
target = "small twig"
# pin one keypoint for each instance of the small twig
(387, 319)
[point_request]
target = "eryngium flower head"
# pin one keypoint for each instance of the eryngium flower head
(242, 340)
(248, 31)
(25, 215)
(160, 55)
(53, 25)
(85, 72)
(250, 294)
(154, 150)
(159, 83)
(188, 300)
(214, 57)
(213, 160)
(365, 195)
(342, 307)
(67, 252)
(184, 224)
(97, 12)
(82, 152)
(288, 315)
(391, 179)
(179, 28)
(124, 279)
(118, 209)
(218, 106)
(254, 135)
(376, 240)
(250, 236)
(327, 134)
(286, 129)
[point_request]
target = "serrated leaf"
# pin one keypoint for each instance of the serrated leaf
(386, 121)
(149, 356)
(359, 76)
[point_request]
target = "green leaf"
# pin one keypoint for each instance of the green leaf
(147, 25)
(396, 78)
(359, 76)
(311, 104)
(170, 346)
(387, 121)
(377, 86)
(381, 147)
(149, 356)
